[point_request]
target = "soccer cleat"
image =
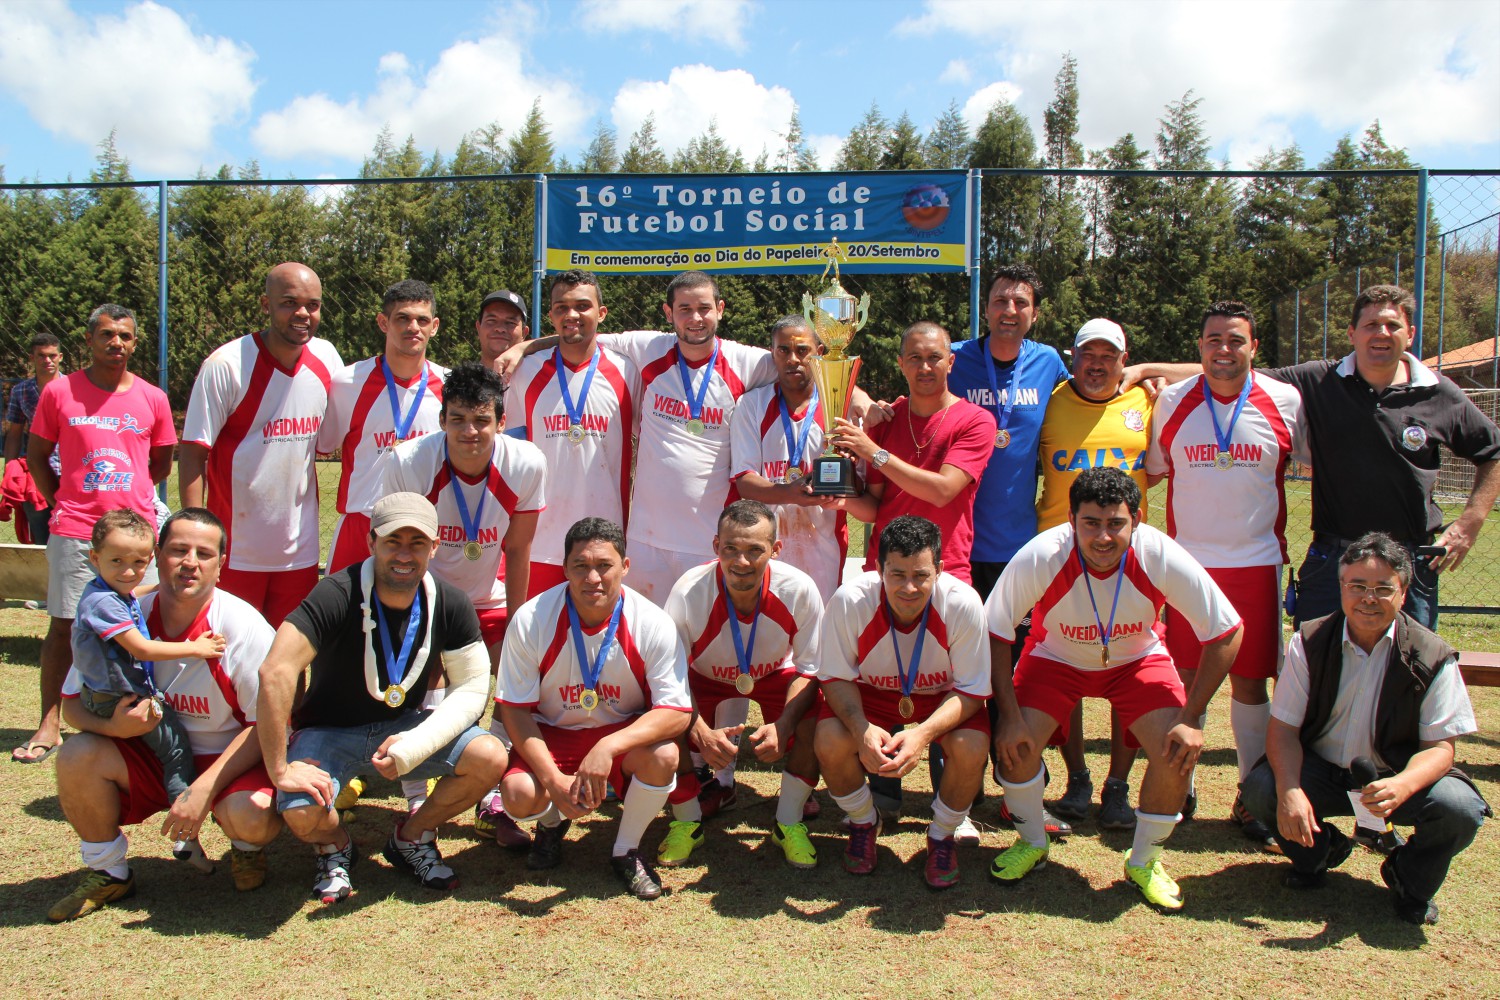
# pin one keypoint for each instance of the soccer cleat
(247, 868)
(941, 870)
(1253, 829)
(1408, 907)
(795, 844)
(1017, 861)
(485, 816)
(677, 846)
(1114, 806)
(1056, 828)
(333, 883)
(639, 878)
(1158, 888)
(859, 855)
(1077, 799)
(967, 834)
(192, 852)
(1339, 849)
(422, 858)
(492, 821)
(348, 797)
(94, 890)
(546, 846)
(714, 798)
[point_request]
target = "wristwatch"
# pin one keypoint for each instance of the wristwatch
(878, 460)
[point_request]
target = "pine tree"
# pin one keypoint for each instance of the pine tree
(1008, 208)
(947, 145)
(903, 147)
(644, 154)
(865, 146)
(601, 156)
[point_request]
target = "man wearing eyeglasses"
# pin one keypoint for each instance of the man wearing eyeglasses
(1368, 688)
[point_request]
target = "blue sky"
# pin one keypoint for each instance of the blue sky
(303, 87)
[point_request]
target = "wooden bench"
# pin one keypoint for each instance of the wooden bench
(23, 572)
(1480, 669)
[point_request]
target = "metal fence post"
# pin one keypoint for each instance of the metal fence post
(1297, 329)
(976, 189)
(1325, 319)
(1442, 293)
(538, 249)
(1419, 267)
(161, 301)
(1495, 349)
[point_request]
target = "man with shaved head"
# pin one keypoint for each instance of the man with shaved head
(249, 439)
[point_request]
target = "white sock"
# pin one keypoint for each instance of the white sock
(689, 811)
(794, 795)
(1249, 724)
(1151, 832)
(642, 803)
(245, 845)
(427, 837)
(106, 855)
(697, 759)
(550, 818)
(1027, 808)
(415, 792)
(859, 804)
(733, 712)
(945, 819)
(491, 800)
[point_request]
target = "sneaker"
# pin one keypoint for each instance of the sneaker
(714, 798)
(247, 868)
(677, 846)
(1408, 907)
(546, 846)
(1339, 849)
(1056, 828)
(859, 856)
(94, 890)
(1077, 799)
(332, 883)
(1159, 888)
(36, 605)
(795, 844)
(941, 870)
(1114, 806)
(422, 858)
(1189, 806)
(812, 808)
(889, 807)
(1380, 841)
(348, 796)
(492, 821)
(966, 834)
(1253, 829)
(192, 852)
(485, 814)
(1017, 861)
(639, 878)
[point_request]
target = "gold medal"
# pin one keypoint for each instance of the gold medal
(744, 683)
(589, 700)
(1103, 656)
(793, 473)
(1002, 438)
(1224, 461)
(695, 427)
(906, 708)
(472, 551)
(575, 433)
(394, 696)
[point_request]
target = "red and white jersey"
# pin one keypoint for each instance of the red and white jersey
(786, 635)
(214, 699)
(1048, 577)
(682, 480)
(813, 539)
(596, 469)
(1235, 516)
(857, 631)
(512, 485)
(645, 667)
(260, 422)
(362, 424)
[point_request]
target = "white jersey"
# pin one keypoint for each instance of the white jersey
(1047, 576)
(813, 539)
(645, 667)
(214, 699)
(786, 632)
(683, 479)
(857, 634)
(595, 469)
(513, 484)
(1234, 516)
(362, 424)
(260, 424)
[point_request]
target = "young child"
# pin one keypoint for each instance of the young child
(113, 651)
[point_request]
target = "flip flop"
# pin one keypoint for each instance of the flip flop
(30, 749)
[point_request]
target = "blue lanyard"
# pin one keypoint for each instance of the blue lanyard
(575, 410)
(395, 670)
(1002, 414)
(403, 424)
(471, 526)
(1223, 437)
(592, 670)
(796, 445)
(1104, 633)
(694, 400)
(740, 654)
(908, 678)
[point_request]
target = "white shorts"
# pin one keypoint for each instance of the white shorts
(653, 571)
(69, 572)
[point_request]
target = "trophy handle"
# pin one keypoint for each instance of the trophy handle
(864, 311)
(808, 306)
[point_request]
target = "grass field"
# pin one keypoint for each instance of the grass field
(737, 920)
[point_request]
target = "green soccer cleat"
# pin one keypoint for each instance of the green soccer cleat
(1017, 861)
(682, 836)
(795, 844)
(1159, 888)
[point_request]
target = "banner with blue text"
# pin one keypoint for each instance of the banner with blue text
(888, 222)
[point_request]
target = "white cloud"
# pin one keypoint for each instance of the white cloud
(473, 84)
(1261, 67)
(957, 71)
(826, 148)
(750, 116)
(977, 107)
(144, 73)
(714, 22)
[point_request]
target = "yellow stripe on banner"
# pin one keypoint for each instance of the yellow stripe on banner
(777, 255)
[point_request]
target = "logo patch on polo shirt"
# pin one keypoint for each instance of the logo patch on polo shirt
(1413, 438)
(1135, 420)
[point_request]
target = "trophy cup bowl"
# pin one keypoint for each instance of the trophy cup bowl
(835, 316)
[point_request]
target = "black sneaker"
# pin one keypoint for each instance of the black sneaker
(1408, 907)
(639, 877)
(546, 846)
(1253, 829)
(422, 859)
(1380, 841)
(1190, 806)
(1339, 849)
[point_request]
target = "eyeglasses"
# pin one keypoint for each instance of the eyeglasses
(1359, 591)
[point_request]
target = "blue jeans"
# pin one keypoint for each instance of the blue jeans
(1446, 815)
(1318, 586)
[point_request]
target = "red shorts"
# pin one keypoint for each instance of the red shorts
(769, 694)
(351, 542)
(883, 709)
(1133, 689)
(274, 593)
(1255, 593)
(147, 794)
(568, 748)
(544, 576)
(492, 623)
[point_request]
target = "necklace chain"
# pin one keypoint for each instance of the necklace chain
(911, 427)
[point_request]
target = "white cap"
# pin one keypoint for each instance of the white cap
(1100, 329)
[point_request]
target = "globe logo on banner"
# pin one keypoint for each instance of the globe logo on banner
(925, 207)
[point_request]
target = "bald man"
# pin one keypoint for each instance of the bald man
(249, 440)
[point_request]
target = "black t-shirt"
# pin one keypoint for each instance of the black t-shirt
(332, 621)
(1375, 454)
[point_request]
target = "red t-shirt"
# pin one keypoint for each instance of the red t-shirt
(963, 435)
(104, 442)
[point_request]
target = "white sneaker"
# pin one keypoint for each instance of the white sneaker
(966, 834)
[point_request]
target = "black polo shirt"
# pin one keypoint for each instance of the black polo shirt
(1375, 454)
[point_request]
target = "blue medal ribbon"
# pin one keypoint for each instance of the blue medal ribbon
(575, 410)
(403, 423)
(694, 400)
(908, 678)
(1104, 633)
(1002, 413)
(592, 669)
(1223, 436)
(741, 654)
(796, 444)
(471, 525)
(395, 670)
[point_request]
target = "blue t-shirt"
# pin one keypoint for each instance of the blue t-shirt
(1005, 506)
(101, 664)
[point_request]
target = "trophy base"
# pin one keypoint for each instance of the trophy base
(833, 476)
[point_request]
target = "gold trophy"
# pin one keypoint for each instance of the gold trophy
(835, 317)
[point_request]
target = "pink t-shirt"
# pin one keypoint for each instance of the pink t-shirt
(962, 435)
(104, 442)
